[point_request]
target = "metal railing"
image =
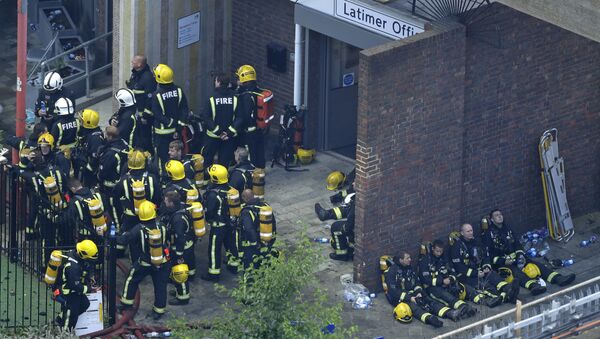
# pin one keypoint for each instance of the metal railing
(46, 50)
(551, 315)
(45, 64)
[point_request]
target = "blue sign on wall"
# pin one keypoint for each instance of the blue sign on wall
(348, 79)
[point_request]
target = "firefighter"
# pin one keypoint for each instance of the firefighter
(178, 219)
(401, 285)
(45, 184)
(473, 266)
(218, 115)
(506, 251)
(76, 277)
(81, 211)
(250, 135)
(53, 157)
(439, 280)
(86, 157)
(168, 109)
(52, 90)
(150, 237)
(142, 84)
(65, 126)
(124, 119)
(112, 160)
(240, 175)
(130, 194)
(337, 180)
(257, 228)
(177, 181)
(25, 146)
(221, 224)
(176, 153)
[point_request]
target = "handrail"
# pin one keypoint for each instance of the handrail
(43, 56)
(511, 311)
(78, 47)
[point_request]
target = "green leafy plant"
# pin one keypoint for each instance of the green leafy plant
(280, 299)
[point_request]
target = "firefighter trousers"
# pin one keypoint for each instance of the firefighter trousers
(74, 306)
(224, 149)
(221, 236)
(160, 279)
(161, 149)
(255, 143)
(342, 240)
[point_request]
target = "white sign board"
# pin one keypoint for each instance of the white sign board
(188, 30)
(91, 320)
(374, 20)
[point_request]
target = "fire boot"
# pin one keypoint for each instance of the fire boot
(434, 321)
(537, 289)
(324, 214)
(492, 302)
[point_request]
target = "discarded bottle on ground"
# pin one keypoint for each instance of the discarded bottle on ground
(567, 262)
(587, 242)
(322, 240)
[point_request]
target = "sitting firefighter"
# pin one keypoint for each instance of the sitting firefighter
(76, 282)
(506, 252)
(337, 181)
(178, 219)
(401, 286)
(472, 263)
(439, 280)
(150, 237)
(257, 229)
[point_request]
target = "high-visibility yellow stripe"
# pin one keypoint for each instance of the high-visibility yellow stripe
(124, 299)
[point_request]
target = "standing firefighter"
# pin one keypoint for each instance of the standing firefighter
(76, 282)
(124, 119)
(86, 212)
(182, 238)
(222, 209)
(257, 229)
(86, 159)
(150, 237)
(218, 116)
(52, 90)
(65, 127)
(168, 108)
(142, 85)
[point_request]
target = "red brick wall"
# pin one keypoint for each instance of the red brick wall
(542, 77)
(410, 138)
(255, 24)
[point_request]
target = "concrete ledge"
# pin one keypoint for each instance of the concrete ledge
(94, 98)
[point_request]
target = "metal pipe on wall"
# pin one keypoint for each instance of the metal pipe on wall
(298, 58)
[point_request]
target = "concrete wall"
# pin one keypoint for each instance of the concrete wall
(150, 27)
(409, 151)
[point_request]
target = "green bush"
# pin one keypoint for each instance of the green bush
(281, 299)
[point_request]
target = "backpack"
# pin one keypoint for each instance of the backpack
(265, 108)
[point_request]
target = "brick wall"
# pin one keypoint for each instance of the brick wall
(255, 24)
(542, 77)
(409, 152)
(457, 135)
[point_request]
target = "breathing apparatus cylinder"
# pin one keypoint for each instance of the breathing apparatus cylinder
(265, 216)
(97, 214)
(56, 258)
(52, 192)
(191, 196)
(233, 201)
(139, 194)
(198, 219)
(198, 162)
(258, 183)
(156, 249)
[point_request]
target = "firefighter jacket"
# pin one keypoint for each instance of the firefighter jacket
(50, 98)
(501, 242)
(469, 256)
(433, 270)
(402, 284)
(179, 227)
(219, 113)
(168, 109)
(182, 187)
(90, 142)
(57, 160)
(240, 176)
(142, 84)
(113, 156)
(124, 190)
(79, 212)
(127, 124)
(138, 237)
(23, 146)
(217, 208)
(76, 275)
(245, 120)
(35, 183)
(249, 223)
(65, 129)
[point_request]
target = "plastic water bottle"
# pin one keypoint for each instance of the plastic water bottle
(151, 335)
(113, 230)
(587, 242)
(43, 107)
(568, 262)
(322, 240)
